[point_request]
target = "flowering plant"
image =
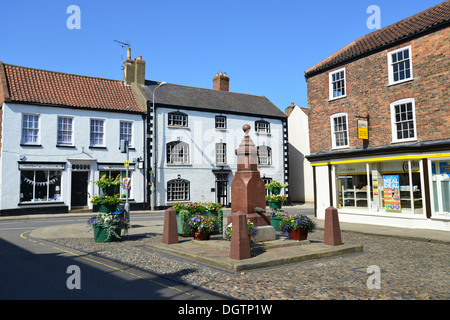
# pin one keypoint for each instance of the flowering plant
(299, 221)
(111, 222)
(202, 223)
(275, 184)
(276, 198)
(252, 229)
(105, 199)
(105, 182)
(213, 206)
(276, 213)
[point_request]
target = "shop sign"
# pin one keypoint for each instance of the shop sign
(363, 129)
(41, 166)
(391, 188)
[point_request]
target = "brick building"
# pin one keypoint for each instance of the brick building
(379, 117)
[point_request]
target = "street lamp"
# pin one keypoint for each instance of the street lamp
(153, 201)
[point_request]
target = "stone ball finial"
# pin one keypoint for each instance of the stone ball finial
(246, 128)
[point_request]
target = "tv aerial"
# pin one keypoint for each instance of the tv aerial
(123, 45)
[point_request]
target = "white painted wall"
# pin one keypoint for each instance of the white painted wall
(49, 152)
(202, 137)
(300, 170)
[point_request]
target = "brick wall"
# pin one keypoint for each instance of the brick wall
(368, 93)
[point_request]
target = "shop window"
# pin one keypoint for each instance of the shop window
(40, 185)
(401, 189)
(441, 186)
(390, 187)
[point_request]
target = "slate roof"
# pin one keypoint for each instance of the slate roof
(211, 100)
(426, 20)
(28, 85)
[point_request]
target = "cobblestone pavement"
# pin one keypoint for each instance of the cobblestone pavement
(409, 270)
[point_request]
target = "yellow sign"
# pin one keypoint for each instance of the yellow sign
(363, 129)
(126, 163)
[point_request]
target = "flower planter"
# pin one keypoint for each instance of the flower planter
(276, 190)
(101, 234)
(275, 222)
(107, 208)
(199, 235)
(298, 234)
(275, 204)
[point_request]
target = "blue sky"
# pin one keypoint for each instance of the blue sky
(263, 46)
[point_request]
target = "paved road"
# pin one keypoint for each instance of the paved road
(31, 269)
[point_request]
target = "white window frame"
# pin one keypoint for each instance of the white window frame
(394, 122)
(127, 135)
(264, 155)
(391, 65)
(178, 190)
(331, 84)
(333, 131)
(220, 122)
(221, 153)
(177, 119)
(64, 131)
(36, 130)
(174, 147)
(262, 126)
(97, 132)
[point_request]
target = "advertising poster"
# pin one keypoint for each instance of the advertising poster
(391, 186)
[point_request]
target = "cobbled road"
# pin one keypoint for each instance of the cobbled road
(408, 270)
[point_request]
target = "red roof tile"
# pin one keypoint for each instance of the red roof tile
(422, 21)
(62, 89)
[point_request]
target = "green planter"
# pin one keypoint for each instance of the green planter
(101, 235)
(107, 208)
(183, 219)
(275, 204)
(276, 190)
(275, 222)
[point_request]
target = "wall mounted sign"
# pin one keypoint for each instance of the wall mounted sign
(363, 129)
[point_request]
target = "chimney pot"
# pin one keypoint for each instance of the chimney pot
(221, 82)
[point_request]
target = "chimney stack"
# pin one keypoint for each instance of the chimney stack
(133, 70)
(221, 82)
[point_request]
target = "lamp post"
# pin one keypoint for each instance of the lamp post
(153, 200)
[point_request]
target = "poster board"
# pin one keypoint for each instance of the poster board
(391, 188)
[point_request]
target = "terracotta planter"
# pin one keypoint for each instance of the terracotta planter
(198, 235)
(298, 234)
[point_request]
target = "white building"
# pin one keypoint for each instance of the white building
(197, 133)
(300, 174)
(59, 133)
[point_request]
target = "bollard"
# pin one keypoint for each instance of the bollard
(240, 241)
(332, 232)
(170, 231)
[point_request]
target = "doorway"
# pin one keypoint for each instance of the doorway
(79, 193)
(222, 189)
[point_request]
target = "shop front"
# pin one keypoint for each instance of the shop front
(401, 190)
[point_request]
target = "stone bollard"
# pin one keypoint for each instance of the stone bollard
(240, 242)
(332, 233)
(170, 231)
